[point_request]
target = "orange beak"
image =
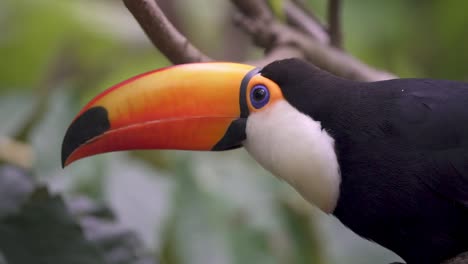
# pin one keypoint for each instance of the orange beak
(191, 107)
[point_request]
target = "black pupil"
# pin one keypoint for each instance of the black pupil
(259, 94)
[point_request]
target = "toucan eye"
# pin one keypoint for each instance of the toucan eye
(259, 96)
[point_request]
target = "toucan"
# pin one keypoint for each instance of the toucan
(389, 158)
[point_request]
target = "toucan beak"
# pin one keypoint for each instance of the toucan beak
(191, 107)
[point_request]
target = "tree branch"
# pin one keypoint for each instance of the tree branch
(303, 20)
(279, 40)
(334, 23)
(163, 34)
(254, 9)
(277, 53)
(270, 34)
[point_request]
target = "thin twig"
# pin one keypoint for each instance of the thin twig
(303, 20)
(334, 23)
(254, 9)
(270, 34)
(267, 33)
(303, 6)
(277, 53)
(175, 46)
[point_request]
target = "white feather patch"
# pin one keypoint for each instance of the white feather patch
(294, 147)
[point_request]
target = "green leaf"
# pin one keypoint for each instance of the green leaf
(43, 231)
(277, 8)
(37, 227)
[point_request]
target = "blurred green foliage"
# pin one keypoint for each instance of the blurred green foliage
(188, 207)
(39, 227)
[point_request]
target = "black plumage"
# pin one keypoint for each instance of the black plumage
(402, 147)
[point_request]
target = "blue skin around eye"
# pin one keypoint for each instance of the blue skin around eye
(262, 102)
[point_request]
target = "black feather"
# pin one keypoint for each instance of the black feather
(402, 147)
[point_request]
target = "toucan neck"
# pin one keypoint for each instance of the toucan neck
(296, 149)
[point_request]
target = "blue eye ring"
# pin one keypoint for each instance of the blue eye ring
(259, 96)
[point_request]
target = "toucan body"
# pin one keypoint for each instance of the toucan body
(389, 158)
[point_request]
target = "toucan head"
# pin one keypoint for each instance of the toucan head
(199, 106)
(203, 106)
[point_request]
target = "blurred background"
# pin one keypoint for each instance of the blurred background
(178, 207)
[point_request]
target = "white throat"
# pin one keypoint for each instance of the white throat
(293, 147)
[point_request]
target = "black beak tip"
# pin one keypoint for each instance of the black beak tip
(64, 158)
(93, 122)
